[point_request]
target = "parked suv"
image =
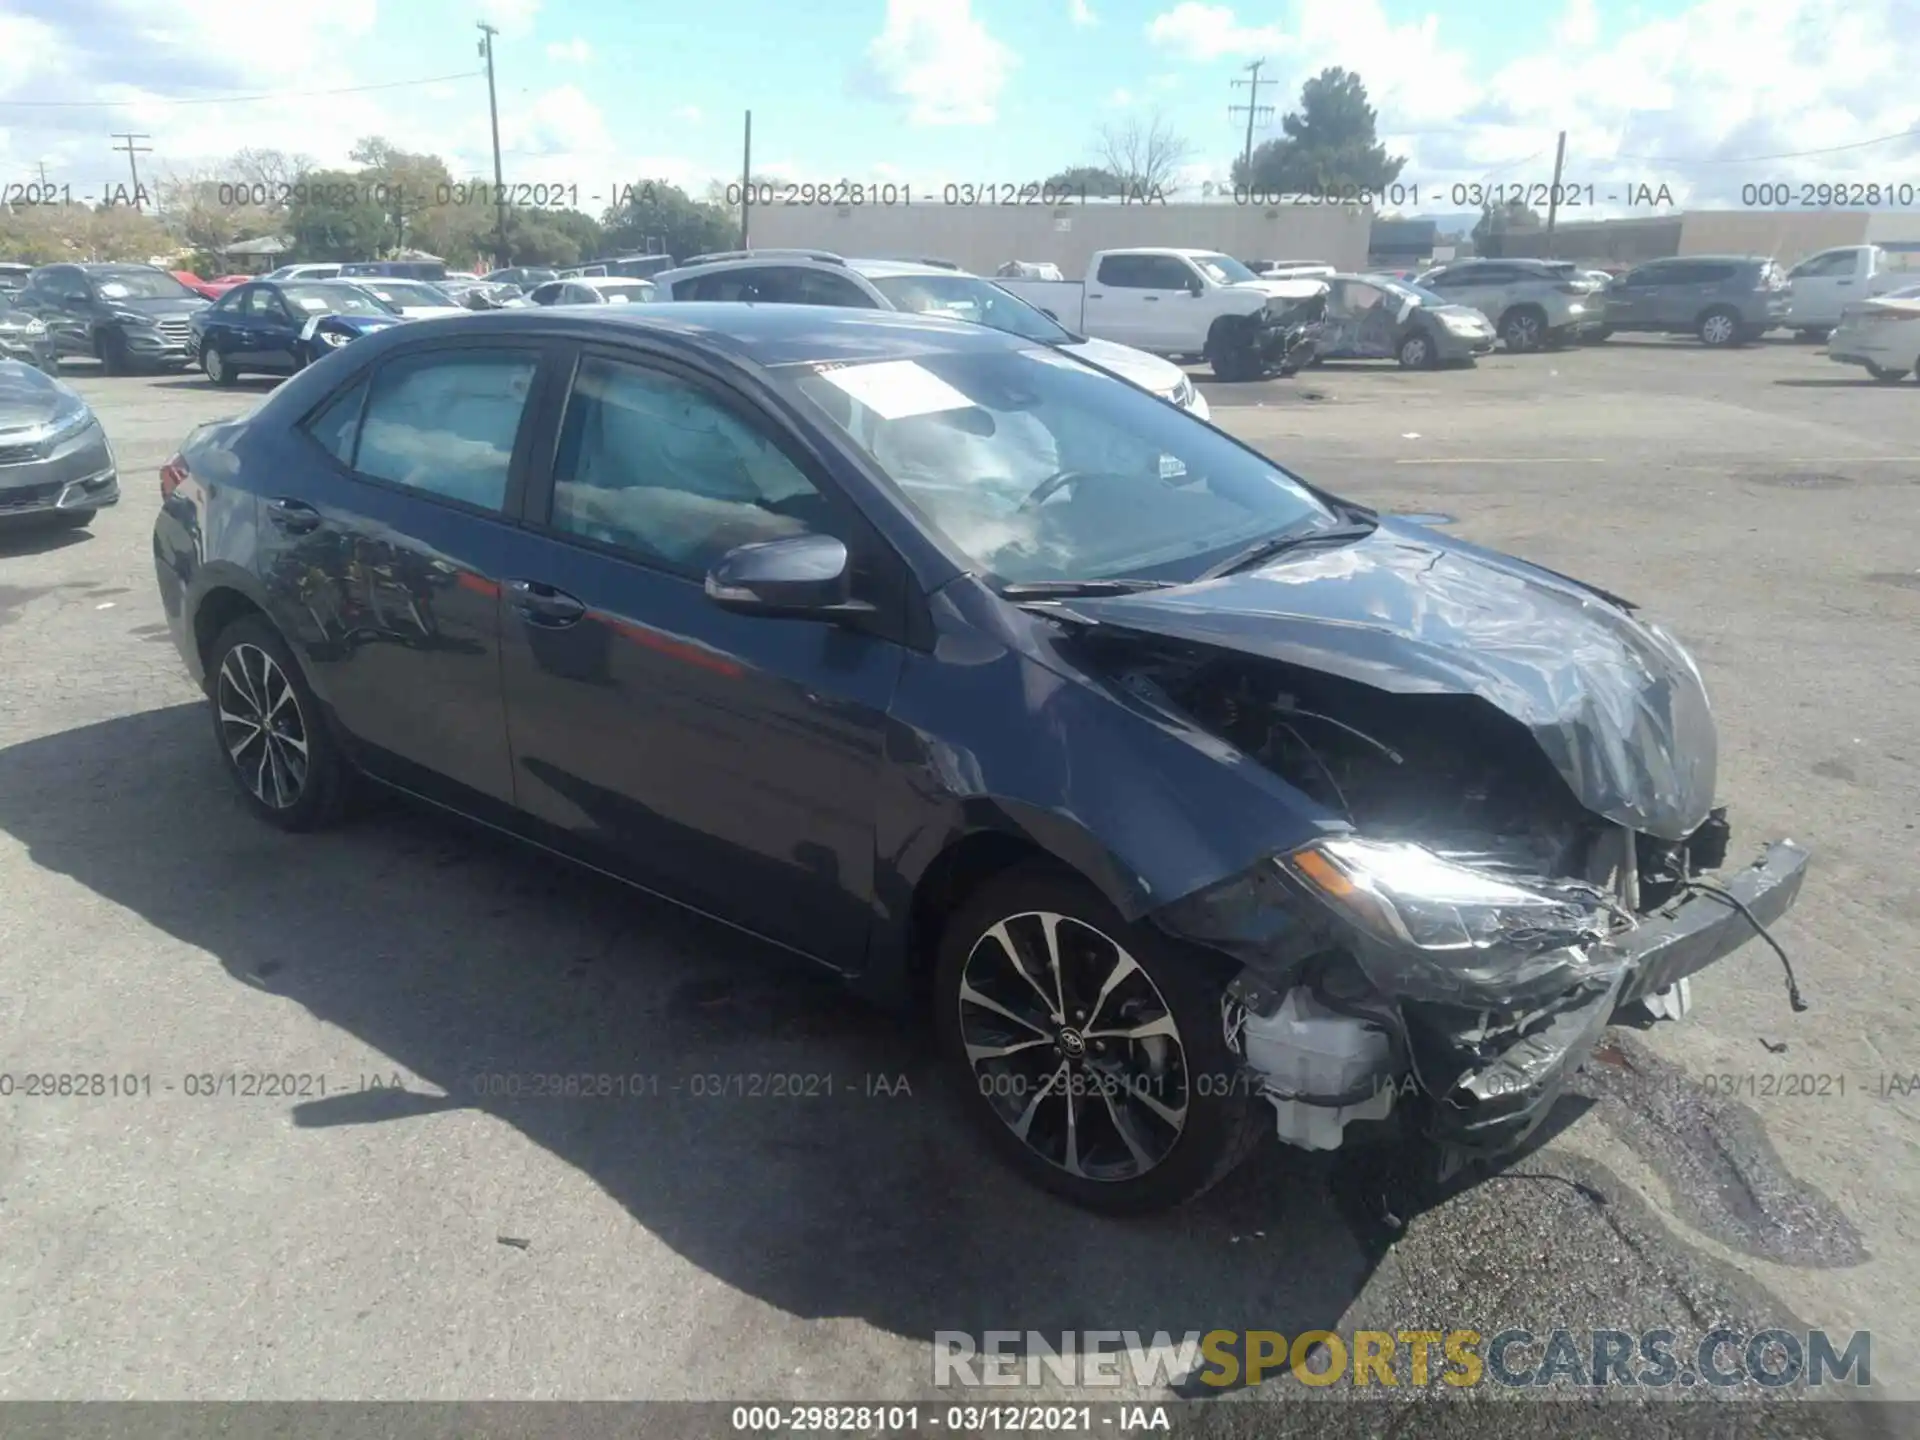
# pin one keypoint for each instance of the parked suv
(819, 277)
(1724, 299)
(126, 316)
(1531, 303)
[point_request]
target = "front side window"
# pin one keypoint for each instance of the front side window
(1223, 269)
(444, 422)
(653, 465)
(964, 297)
(322, 299)
(1038, 468)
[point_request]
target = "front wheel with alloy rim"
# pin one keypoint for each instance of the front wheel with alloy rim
(1417, 352)
(216, 366)
(1524, 329)
(1091, 1050)
(1719, 328)
(268, 727)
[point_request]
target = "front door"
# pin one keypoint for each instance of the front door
(728, 761)
(1823, 284)
(1361, 322)
(383, 558)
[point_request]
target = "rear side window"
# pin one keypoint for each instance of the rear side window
(336, 423)
(1715, 274)
(445, 422)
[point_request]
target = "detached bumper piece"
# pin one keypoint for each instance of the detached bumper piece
(1493, 1078)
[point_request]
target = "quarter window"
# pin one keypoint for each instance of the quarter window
(652, 465)
(445, 423)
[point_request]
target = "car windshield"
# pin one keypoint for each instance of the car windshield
(321, 299)
(139, 285)
(1223, 269)
(967, 297)
(405, 292)
(971, 439)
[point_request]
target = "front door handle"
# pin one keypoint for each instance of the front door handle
(296, 517)
(541, 604)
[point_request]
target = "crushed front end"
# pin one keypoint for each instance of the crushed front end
(1453, 944)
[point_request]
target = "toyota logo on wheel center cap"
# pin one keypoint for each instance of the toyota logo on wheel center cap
(1072, 1044)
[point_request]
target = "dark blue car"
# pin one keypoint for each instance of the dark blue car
(275, 327)
(1191, 801)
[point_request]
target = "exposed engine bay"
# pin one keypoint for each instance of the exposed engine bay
(1334, 1023)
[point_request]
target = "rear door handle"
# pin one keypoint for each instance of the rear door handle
(541, 604)
(296, 517)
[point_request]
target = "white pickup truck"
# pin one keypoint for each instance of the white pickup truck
(1825, 283)
(1177, 303)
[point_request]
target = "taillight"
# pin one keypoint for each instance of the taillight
(172, 474)
(1573, 287)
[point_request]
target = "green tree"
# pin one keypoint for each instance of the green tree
(336, 218)
(1497, 222)
(1330, 145)
(1094, 180)
(667, 216)
(413, 192)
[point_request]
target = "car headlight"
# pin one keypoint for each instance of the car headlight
(1182, 394)
(24, 330)
(332, 337)
(134, 317)
(1461, 324)
(1449, 932)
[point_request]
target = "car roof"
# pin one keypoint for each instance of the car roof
(764, 335)
(616, 281)
(881, 269)
(1184, 251)
(767, 260)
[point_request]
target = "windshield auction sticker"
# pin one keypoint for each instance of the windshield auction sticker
(896, 389)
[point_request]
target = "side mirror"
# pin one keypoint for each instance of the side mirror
(795, 577)
(1196, 288)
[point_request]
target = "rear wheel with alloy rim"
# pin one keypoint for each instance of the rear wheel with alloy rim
(1720, 327)
(1092, 1050)
(215, 364)
(267, 724)
(1417, 352)
(1524, 329)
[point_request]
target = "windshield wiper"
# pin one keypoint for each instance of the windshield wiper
(1279, 544)
(1070, 589)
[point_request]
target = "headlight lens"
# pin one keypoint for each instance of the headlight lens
(1182, 394)
(333, 337)
(1457, 931)
(134, 317)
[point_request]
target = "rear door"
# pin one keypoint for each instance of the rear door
(276, 332)
(728, 761)
(1677, 294)
(384, 557)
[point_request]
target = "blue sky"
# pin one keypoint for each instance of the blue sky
(930, 91)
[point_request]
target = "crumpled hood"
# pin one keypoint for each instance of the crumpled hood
(1616, 704)
(1149, 372)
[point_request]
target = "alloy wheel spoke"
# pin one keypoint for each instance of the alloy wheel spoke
(977, 1053)
(986, 1002)
(1025, 1122)
(1072, 1100)
(1163, 1026)
(1124, 1130)
(1004, 939)
(1175, 1116)
(235, 747)
(1123, 966)
(1050, 927)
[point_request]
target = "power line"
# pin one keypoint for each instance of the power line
(1782, 155)
(233, 99)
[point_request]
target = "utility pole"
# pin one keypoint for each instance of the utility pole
(133, 165)
(43, 178)
(746, 179)
(487, 32)
(1553, 195)
(1255, 111)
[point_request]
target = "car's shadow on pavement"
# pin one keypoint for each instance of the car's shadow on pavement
(34, 536)
(479, 966)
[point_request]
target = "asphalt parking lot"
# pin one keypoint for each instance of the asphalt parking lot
(407, 1234)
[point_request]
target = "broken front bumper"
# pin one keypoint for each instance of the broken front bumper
(1485, 1108)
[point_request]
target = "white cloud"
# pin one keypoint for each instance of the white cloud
(939, 60)
(513, 18)
(1080, 12)
(1200, 32)
(1120, 97)
(689, 113)
(1723, 79)
(575, 51)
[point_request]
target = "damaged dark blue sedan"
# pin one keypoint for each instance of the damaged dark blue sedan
(1196, 801)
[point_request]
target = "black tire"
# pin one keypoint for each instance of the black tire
(1818, 335)
(1884, 375)
(238, 686)
(217, 368)
(111, 347)
(1418, 352)
(1720, 328)
(1598, 335)
(1231, 353)
(1523, 329)
(1216, 1130)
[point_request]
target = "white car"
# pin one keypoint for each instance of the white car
(818, 278)
(415, 299)
(1882, 335)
